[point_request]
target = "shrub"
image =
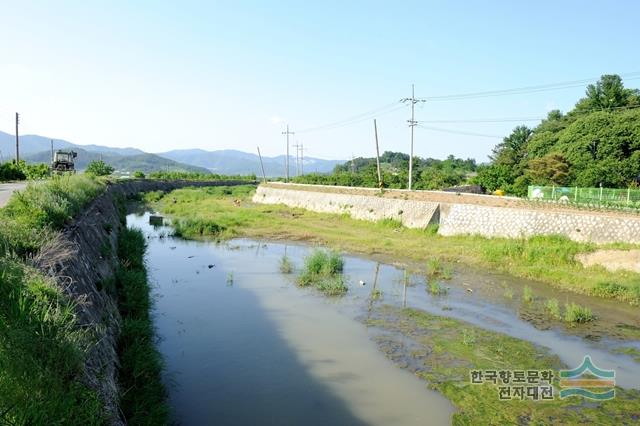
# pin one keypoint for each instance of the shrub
(99, 168)
(138, 174)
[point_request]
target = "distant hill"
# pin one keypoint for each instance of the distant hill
(124, 163)
(34, 148)
(230, 161)
(32, 144)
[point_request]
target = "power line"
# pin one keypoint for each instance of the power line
(526, 89)
(365, 116)
(460, 132)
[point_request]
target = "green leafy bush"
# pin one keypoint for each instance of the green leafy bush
(99, 168)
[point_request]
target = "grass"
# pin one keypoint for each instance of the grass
(42, 348)
(143, 396)
(436, 289)
(527, 294)
(550, 259)
(286, 266)
(31, 215)
(553, 308)
(447, 349)
(574, 313)
(41, 353)
(631, 351)
(323, 270)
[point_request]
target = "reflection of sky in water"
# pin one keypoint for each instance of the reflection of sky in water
(262, 338)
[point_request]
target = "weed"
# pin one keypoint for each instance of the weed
(322, 269)
(286, 267)
(434, 267)
(376, 294)
(553, 307)
(468, 337)
(143, 400)
(107, 227)
(575, 313)
(437, 289)
(508, 293)
(230, 278)
(527, 294)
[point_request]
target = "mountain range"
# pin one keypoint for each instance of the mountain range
(37, 149)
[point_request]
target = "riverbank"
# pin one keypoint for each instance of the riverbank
(224, 213)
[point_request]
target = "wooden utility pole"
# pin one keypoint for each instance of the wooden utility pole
(287, 159)
(375, 130)
(264, 177)
(17, 140)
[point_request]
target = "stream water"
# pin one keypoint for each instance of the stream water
(243, 345)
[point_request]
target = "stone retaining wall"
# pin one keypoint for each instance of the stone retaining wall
(460, 218)
(412, 213)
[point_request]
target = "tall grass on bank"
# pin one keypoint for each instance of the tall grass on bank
(323, 270)
(143, 396)
(31, 215)
(41, 353)
(42, 349)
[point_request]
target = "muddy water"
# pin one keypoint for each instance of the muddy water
(243, 346)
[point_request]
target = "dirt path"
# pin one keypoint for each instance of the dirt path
(612, 260)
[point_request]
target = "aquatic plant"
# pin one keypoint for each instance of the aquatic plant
(286, 267)
(322, 269)
(508, 293)
(435, 288)
(435, 268)
(575, 313)
(230, 278)
(527, 294)
(553, 307)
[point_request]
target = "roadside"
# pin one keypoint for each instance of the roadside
(7, 189)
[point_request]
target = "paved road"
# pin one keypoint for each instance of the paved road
(6, 189)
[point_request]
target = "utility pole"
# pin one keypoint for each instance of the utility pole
(17, 140)
(297, 147)
(353, 164)
(375, 130)
(302, 159)
(264, 176)
(412, 124)
(287, 159)
(51, 151)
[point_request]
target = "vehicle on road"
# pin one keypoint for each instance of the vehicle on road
(63, 162)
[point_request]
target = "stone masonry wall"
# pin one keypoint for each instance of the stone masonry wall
(460, 218)
(412, 213)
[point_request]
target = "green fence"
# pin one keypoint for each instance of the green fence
(595, 196)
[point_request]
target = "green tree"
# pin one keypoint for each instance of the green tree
(608, 93)
(99, 168)
(551, 169)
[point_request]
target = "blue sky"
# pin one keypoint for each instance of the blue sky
(215, 75)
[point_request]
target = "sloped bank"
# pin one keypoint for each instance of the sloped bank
(83, 261)
(458, 215)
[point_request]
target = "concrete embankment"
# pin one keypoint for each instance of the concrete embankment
(488, 216)
(82, 260)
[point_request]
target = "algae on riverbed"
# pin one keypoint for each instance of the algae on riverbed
(441, 351)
